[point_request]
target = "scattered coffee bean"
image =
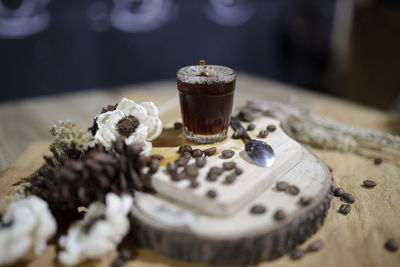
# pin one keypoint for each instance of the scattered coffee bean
(330, 169)
(186, 154)
(315, 246)
(197, 153)
(282, 186)
(201, 162)
(212, 194)
(210, 151)
(191, 170)
(271, 128)
(305, 201)
(297, 253)
(229, 165)
(157, 157)
(292, 190)
(193, 184)
(378, 161)
(238, 171)
(280, 215)
(182, 161)
(338, 192)
(258, 209)
(392, 245)
(230, 179)
(176, 177)
(212, 177)
(178, 125)
(227, 154)
(369, 183)
(347, 197)
(216, 170)
(171, 167)
(245, 116)
(251, 127)
(184, 148)
(153, 165)
(344, 209)
(263, 134)
(238, 134)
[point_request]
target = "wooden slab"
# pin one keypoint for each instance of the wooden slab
(249, 185)
(242, 238)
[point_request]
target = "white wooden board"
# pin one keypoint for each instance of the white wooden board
(248, 186)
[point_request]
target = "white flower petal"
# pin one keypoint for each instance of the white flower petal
(129, 107)
(146, 147)
(155, 127)
(151, 108)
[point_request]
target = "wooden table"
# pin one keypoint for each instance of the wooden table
(353, 240)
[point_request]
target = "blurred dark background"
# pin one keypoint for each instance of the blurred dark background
(343, 47)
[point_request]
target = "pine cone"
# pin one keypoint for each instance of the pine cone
(77, 183)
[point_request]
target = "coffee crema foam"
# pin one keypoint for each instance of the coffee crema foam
(215, 73)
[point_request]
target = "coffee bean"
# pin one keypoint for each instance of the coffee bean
(178, 125)
(369, 183)
(193, 184)
(378, 161)
(153, 166)
(392, 245)
(230, 179)
(271, 128)
(330, 169)
(176, 177)
(227, 154)
(184, 148)
(263, 134)
(282, 186)
(315, 246)
(229, 165)
(212, 177)
(292, 190)
(344, 209)
(238, 171)
(157, 157)
(338, 192)
(201, 162)
(182, 161)
(171, 167)
(279, 215)
(191, 170)
(251, 127)
(186, 154)
(305, 201)
(212, 194)
(216, 170)
(258, 209)
(297, 253)
(347, 197)
(197, 153)
(210, 151)
(238, 134)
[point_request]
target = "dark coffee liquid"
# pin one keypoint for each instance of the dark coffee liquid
(206, 108)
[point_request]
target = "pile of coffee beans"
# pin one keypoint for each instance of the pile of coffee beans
(345, 197)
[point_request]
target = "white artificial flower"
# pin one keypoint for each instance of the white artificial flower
(27, 226)
(109, 225)
(149, 126)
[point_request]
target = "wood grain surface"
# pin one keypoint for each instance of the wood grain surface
(353, 240)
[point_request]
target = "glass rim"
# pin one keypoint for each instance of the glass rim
(180, 71)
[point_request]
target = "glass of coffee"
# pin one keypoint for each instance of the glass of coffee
(206, 98)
